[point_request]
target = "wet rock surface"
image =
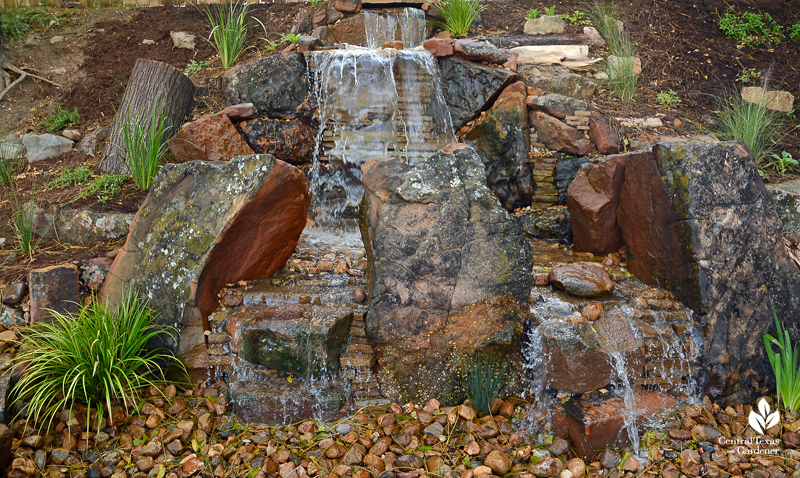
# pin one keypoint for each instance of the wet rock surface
(502, 141)
(275, 85)
(551, 224)
(288, 140)
(697, 219)
(468, 87)
(207, 224)
(447, 267)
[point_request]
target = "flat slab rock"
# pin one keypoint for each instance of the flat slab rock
(205, 224)
(583, 280)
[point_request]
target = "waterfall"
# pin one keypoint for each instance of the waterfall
(382, 28)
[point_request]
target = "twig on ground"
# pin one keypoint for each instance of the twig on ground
(22, 75)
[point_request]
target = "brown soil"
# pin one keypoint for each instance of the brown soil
(681, 47)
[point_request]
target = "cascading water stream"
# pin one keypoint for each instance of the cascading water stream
(382, 28)
(374, 103)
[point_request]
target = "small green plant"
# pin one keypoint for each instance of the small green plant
(96, 356)
(315, 3)
(751, 123)
(459, 15)
(533, 14)
(577, 18)
(24, 224)
(60, 118)
(748, 75)
(290, 38)
(782, 163)
(750, 29)
(668, 97)
(784, 364)
(145, 144)
(228, 30)
(794, 32)
(71, 177)
(195, 66)
(550, 10)
(269, 45)
(105, 186)
(484, 377)
(10, 164)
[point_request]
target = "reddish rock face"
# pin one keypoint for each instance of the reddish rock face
(53, 288)
(582, 280)
(593, 199)
(603, 135)
(439, 47)
(242, 112)
(347, 6)
(211, 138)
(593, 428)
(559, 136)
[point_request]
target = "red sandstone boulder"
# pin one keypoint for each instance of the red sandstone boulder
(53, 288)
(204, 225)
(559, 136)
(593, 199)
(439, 47)
(211, 138)
(603, 135)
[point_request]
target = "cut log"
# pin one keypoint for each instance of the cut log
(151, 83)
(512, 41)
(551, 54)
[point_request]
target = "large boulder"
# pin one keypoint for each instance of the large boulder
(449, 272)
(786, 199)
(502, 140)
(43, 146)
(203, 225)
(276, 85)
(469, 88)
(210, 138)
(698, 221)
(557, 79)
(559, 106)
(292, 140)
(566, 169)
(559, 136)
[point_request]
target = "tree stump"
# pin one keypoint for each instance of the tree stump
(151, 82)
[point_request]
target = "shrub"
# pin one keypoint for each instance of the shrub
(60, 118)
(145, 144)
(228, 30)
(95, 356)
(483, 380)
(459, 15)
(784, 364)
(751, 123)
(750, 29)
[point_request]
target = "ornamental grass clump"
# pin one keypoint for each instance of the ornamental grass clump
(749, 122)
(483, 379)
(784, 364)
(228, 30)
(459, 15)
(96, 356)
(145, 143)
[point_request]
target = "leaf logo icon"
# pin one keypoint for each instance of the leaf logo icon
(763, 420)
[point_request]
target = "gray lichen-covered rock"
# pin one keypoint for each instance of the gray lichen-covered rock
(557, 79)
(469, 87)
(43, 146)
(79, 226)
(276, 85)
(449, 272)
(502, 140)
(205, 224)
(698, 221)
(550, 225)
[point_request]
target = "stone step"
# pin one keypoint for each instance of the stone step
(358, 348)
(352, 359)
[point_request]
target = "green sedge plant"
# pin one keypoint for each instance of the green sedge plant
(228, 30)
(145, 143)
(784, 364)
(23, 222)
(484, 377)
(458, 15)
(96, 356)
(622, 75)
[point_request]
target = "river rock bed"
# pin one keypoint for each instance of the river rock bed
(180, 435)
